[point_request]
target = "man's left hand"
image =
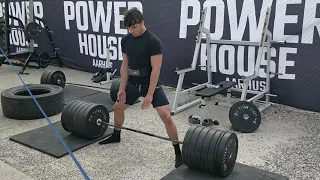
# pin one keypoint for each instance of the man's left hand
(147, 101)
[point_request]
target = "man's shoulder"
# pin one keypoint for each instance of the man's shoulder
(152, 36)
(125, 37)
(153, 39)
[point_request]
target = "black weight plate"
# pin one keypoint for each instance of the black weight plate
(72, 112)
(199, 146)
(212, 152)
(227, 154)
(77, 118)
(245, 116)
(64, 116)
(205, 148)
(215, 169)
(192, 146)
(49, 78)
(92, 129)
(32, 30)
(83, 116)
(185, 146)
(43, 60)
(114, 89)
(57, 78)
(44, 77)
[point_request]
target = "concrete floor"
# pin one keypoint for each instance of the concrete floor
(287, 142)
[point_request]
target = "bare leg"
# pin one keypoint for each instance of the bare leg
(164, 113)
(118, 121)
(119, 114)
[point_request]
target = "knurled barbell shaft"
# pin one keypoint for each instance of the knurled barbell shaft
(146, 133)
(61, 82)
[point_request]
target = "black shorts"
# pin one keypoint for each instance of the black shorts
(135, 91)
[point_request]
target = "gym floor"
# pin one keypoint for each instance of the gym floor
(287, 142)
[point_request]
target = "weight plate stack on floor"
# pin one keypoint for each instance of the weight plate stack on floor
(115, 89)
(55, 77)
(245, 116)
(83, 119)
(17, 103)
(210, 150)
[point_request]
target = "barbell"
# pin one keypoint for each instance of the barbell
(204, 148)
(57, 77)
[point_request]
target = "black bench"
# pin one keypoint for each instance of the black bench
(211, 91)
(207, 92)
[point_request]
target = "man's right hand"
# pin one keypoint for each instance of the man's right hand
(121, 96)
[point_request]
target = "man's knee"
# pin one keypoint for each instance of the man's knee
(119, 108)
(164, 113)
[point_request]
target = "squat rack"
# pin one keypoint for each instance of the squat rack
(30, 53)
(265, 41)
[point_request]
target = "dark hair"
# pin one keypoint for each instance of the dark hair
(132, 17)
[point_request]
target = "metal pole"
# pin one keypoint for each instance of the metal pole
(31, 45)
(7, 40)
(108, 63)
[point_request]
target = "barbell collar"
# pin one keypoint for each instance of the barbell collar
(99, 122)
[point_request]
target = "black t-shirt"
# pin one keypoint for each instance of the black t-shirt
(139, 51)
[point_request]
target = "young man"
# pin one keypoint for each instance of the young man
(139, 72)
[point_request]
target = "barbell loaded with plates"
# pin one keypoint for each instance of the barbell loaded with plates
(204, 148)
(245, 116)
(57, 77)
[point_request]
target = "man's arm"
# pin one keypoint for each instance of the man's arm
(124, 72)
(156, 62)
(124, 66)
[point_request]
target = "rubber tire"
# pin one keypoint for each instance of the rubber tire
(24, 108)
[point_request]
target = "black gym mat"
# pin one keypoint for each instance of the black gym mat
(45, 140)
(72, 92)
(240, 172)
